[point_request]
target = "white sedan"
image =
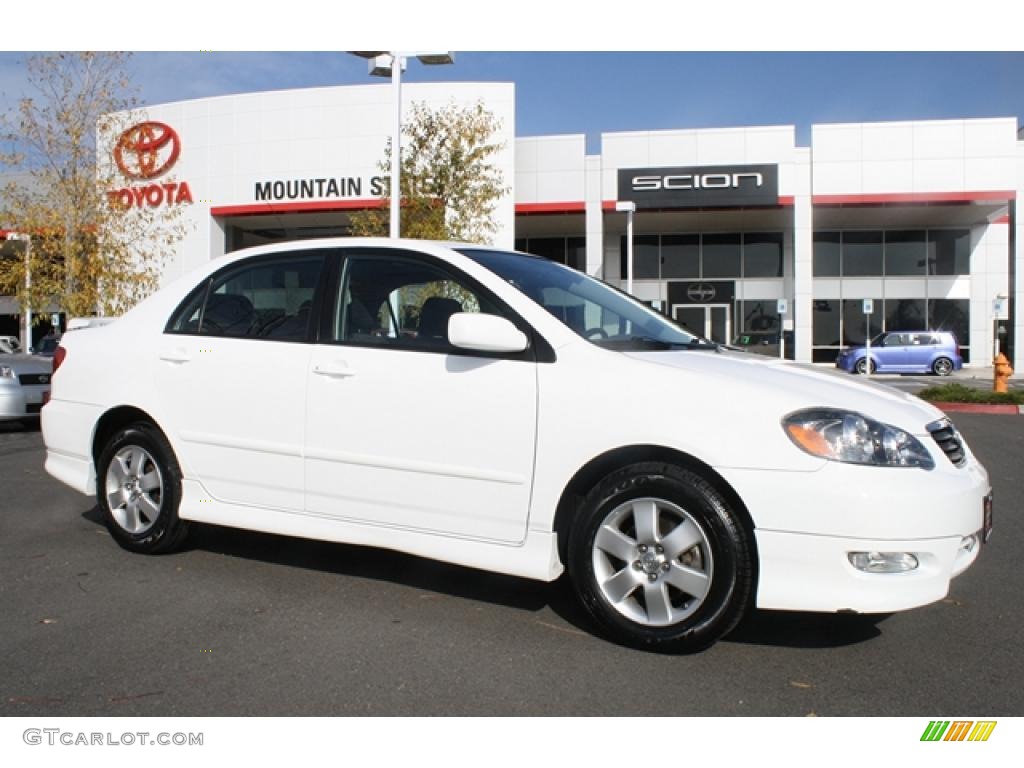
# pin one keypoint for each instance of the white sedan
(504, 412)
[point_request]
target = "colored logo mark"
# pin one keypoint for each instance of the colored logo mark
(958, 730)
(147, 150)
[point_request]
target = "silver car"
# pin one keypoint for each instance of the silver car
(24, 386)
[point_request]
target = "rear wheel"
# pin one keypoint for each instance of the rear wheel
(660, 559)
(942, 367)
(862, 366)
(138, 486)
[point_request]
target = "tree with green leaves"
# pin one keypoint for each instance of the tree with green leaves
(88, 253)
(450, 184)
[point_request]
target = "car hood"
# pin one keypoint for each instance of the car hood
(28, 363)
(787, 386)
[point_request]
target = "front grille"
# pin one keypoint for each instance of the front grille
(34, 379)
(33, 408)
(949, 440)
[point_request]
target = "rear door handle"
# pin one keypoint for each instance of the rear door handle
(176, 356)
(337, 369)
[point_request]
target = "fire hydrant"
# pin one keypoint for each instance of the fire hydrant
(1001, 373)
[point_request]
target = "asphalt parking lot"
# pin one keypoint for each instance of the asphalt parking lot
(250, 624)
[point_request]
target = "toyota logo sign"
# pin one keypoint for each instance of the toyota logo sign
(700, 292)
(147, 150)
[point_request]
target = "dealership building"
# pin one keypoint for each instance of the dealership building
(920, 217)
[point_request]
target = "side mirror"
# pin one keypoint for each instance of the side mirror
(485, 333)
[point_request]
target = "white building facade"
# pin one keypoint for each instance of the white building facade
(920, 217)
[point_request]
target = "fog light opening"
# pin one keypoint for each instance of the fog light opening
(883, 562)
(968, 543)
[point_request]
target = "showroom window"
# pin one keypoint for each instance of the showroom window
(704, 256)
(261, 298)
(862, 254)
(571, 251)
(827, 254)
(892, 253)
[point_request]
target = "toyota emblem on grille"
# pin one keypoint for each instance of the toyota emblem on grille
(700, 292)
(44, 379)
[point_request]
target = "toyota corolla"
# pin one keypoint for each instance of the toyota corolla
(507, 413)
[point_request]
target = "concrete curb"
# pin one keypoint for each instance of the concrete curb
(995, 408)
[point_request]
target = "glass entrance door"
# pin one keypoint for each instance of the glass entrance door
(712, 321)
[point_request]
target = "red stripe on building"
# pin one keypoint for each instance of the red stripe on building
(257, 209)
(916, 197)
(528, 209)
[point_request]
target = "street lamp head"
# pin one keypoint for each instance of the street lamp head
(625, 206)
(434, 58)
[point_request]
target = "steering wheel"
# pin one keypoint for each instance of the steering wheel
(595, 333)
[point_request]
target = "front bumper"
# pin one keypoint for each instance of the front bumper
(808, 523)
(813, 573)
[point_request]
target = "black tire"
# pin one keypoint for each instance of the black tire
(728, 565)
(942, 366)
(862, 365)
(162, 532)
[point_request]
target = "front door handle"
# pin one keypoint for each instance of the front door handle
(336, 369)
(176, 356)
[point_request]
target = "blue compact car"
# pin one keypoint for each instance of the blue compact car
(906, 352)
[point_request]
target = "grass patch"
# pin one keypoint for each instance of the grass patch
(958, 393)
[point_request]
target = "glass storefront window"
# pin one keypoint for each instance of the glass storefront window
(721, 256)
(762, 254)
(949, 252)
(552, 248)
(826, 254)
(826, 323)
(758, 316)
(680, 256)
(576, 253)
(952, 315)
(905, 315)
(862, 254)
(855, 325)
(905, 253)
(646, 259)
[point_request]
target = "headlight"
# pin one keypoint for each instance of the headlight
(6, 372)
(849, 437)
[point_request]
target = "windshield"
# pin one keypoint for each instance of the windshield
(594, 310)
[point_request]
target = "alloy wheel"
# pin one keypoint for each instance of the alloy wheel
(135, 489)
(652, 562)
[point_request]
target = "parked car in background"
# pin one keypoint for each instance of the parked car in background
(905, 352)
(10, 345)
(24, 386)
(507, 413)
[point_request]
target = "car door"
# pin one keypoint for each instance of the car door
(405, 430)
(892, 356)
(231, 375)
(920, 351)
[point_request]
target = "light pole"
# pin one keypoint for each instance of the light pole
(629, 207)
(390, 64)
(26, 342)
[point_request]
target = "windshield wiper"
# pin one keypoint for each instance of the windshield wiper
(646, 342)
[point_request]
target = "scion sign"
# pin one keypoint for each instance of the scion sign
(700, 186)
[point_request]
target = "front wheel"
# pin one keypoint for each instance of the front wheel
(942, 367)
(660, 559)
(138, 487)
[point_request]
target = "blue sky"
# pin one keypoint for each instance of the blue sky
(580, 92)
